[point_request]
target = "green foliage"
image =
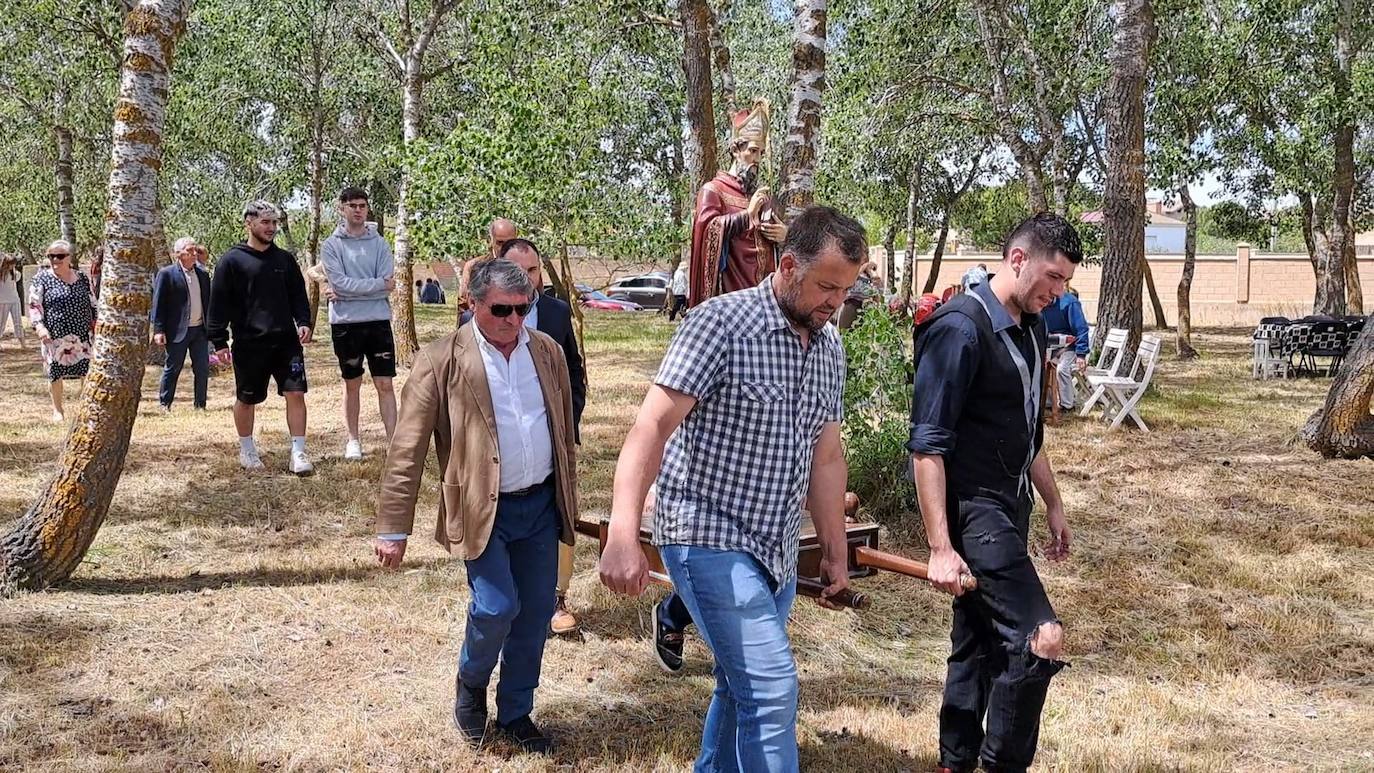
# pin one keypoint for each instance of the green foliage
(58, 67)
(987, 214)
(877, 411)
(1233, 221)
(569, 160)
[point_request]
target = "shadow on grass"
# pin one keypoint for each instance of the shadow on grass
(653, 724)
(32, 642)
(53, 720)
(274, 578)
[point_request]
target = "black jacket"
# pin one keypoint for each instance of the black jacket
(172, 301)
(256, 295)
(555, 321)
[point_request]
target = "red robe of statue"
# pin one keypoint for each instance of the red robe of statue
(727, 255)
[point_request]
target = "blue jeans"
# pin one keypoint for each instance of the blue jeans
(196, 342)
(742, 615)
(512, 585)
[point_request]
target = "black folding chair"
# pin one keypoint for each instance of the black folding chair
(1329, 341)
(1295, 339)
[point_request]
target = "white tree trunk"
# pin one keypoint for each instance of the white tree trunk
(799, 151)
(50, 539)
(66, 186)
(402, 302)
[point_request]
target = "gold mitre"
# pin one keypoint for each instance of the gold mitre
(751, 124)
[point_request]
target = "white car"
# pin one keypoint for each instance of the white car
(649, 290)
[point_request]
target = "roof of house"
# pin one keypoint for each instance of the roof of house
(1154, 218)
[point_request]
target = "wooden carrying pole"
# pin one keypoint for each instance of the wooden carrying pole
(863, 560)
(871, 558)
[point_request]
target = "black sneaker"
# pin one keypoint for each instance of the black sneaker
(667, 645)
(470, 713)
(527, 735)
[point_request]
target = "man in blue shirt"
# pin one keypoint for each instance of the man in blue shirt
(974, 468)
(1065, 317)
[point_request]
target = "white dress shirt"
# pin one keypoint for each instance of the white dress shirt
(522, 423)
(196, 316)
(532, 319)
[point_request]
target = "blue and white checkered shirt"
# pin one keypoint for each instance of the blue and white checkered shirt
(735, 473)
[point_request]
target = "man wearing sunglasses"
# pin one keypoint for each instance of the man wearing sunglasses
(496, 396)
(553, 317)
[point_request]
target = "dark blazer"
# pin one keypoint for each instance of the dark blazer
(555, 321)
(172, 301)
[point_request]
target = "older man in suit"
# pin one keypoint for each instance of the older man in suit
(552, 317)
(181, 296)
(495, 395)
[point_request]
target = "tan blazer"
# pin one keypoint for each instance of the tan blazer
(447, 396)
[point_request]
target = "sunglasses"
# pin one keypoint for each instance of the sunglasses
(504, 310)
(58, 256)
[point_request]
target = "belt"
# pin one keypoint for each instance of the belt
(526, 491)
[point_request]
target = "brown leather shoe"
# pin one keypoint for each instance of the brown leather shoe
(563, 621)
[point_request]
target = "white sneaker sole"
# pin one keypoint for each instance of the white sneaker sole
(653, 642)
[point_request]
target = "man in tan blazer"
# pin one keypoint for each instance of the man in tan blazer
(496, 398)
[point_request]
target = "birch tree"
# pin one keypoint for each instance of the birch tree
(405, 43)
(58, 67)
(801, 145)
(51, 537)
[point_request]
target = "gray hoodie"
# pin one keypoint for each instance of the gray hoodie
(357, 268)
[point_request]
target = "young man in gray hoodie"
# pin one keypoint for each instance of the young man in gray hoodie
(357, 262)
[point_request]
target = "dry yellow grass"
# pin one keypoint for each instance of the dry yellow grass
(1220, 604)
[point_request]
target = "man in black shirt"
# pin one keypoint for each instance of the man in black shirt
(258, 295)
(976, 437)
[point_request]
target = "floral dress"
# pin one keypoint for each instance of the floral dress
(68, 312)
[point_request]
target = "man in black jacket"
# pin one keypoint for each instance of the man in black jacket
(258, 296)
(977, 436)
(181, 298)
(552, 317)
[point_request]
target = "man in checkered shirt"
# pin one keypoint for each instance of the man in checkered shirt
(740, 429)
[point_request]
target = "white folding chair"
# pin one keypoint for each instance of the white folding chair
(1112, 354)
(1124, 392)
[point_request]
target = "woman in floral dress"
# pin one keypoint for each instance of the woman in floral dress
(62, 310)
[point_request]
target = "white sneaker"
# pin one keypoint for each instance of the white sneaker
(249, 459)
(300, 463)
(353, 449)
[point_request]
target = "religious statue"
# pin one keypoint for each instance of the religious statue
(735, 233)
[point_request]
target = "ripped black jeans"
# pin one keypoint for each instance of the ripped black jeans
(992, 671)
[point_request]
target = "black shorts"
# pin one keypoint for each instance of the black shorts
(281, 360)
(354, 341)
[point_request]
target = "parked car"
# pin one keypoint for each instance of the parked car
(595, 299)
(648, 290)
